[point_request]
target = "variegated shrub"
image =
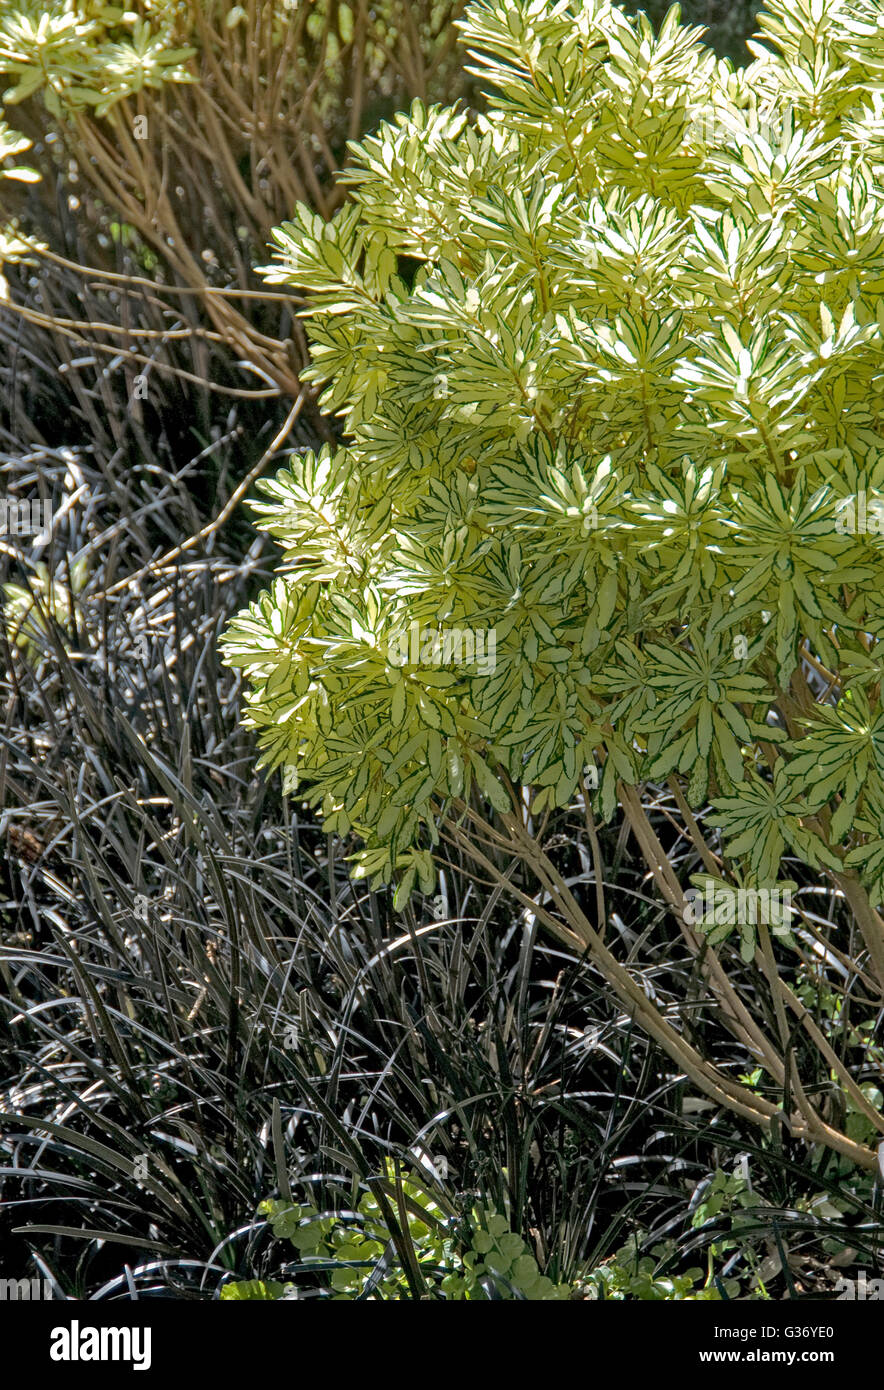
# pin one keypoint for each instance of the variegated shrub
(608, 359)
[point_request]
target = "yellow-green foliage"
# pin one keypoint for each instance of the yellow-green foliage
(619, 417)
(80, 53)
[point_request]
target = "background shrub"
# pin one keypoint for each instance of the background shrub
(179, 133)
